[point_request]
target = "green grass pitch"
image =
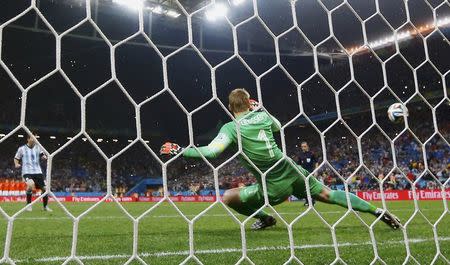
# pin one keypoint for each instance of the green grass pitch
(106, 235)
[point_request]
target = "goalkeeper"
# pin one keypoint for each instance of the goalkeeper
(284, 180)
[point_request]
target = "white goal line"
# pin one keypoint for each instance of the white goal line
(226, 250)
(190, 215)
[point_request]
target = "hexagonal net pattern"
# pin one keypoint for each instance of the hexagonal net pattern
(337, 91)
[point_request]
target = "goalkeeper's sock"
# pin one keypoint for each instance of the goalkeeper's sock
(261, 214)
(29, 194)
(247, 211)
(338, 197)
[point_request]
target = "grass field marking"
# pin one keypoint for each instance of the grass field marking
(226, 250)
(175, 215)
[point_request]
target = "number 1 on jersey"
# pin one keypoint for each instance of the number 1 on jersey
(262, 136)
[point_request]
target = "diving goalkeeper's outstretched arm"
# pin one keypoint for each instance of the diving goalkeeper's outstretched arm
(212, 150)
(218, 144)
(223, 139)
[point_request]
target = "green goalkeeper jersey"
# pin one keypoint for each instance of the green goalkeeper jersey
(258, 144)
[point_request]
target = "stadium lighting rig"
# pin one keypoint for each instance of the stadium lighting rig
(382, 42)
(132, 4)
(172, 13)
(98, 140)
(156, 9)
(220, 10)
(140, 4)
(216, 11)
(237, 2)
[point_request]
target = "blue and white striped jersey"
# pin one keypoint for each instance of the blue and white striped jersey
(30, 157)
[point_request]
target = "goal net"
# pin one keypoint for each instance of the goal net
(102, 84)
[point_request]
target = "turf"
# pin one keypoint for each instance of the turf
(105, 235)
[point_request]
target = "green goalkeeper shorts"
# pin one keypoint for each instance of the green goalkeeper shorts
(253, 195)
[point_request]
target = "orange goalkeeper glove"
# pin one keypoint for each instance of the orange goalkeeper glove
(253, 104)
(169, 148)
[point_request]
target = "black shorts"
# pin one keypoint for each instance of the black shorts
(37, 178)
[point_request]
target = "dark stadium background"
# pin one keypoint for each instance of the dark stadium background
(53, 109)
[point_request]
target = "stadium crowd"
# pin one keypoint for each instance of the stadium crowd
(74, 173)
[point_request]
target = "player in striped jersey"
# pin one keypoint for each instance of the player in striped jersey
(28, 157)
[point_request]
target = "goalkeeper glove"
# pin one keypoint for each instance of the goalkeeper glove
(170, 149)
(253, 104)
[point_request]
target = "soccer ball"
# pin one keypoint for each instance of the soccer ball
(397, 112)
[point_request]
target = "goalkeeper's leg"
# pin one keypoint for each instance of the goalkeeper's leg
(232, 198)
(339, 197)
(324, 194)
(247, 201)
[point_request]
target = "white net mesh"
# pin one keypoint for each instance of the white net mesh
(340, 93)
